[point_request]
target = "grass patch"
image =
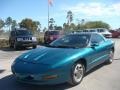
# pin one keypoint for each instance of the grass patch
(40, 40)
(4, 43)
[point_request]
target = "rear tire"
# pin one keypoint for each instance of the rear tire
(77, 73)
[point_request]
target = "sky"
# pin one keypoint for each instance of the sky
(90, 10)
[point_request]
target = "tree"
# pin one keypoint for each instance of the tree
(80, 27)
(34, 26)
(65, 26)
(45, 29)
(81, 24)
(14, 24)
(1, 23)
(38, 24)
(97, 24)
(51, 26)
(8, 22)
(57, 27)
(69, 17)
(72, 26)
(1, 32)
(29, 24)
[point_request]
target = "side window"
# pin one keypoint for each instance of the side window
(97, 39)
(100, 30)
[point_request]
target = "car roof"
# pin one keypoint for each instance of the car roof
(87, 33)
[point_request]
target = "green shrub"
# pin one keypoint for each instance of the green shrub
(4, 43)
(40, 40)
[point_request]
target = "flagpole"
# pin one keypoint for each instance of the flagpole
(48, 15)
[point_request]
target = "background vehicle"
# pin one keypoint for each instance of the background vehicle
(102, 31)
(52, 35)
(22, 37)
(115, 33)
(66, 59)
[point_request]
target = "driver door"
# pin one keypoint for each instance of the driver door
(99, 50)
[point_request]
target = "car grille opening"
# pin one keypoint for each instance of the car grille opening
(29, 78)
(27, 38)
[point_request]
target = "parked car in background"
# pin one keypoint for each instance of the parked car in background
(66, 59)
(22, 38)
(52, 35)
(103, 31)
(115, 33)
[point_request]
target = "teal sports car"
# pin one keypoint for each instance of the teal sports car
(66, 59)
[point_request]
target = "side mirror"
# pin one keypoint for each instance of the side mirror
(94, 45)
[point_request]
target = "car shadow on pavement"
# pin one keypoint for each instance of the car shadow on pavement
(2, 70)
(95, 68)
(7, 49)
(117, 59)
(9, 83)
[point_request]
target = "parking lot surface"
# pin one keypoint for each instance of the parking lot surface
(102, 77)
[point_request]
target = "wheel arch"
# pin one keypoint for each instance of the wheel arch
(83, 61)
(113, 49)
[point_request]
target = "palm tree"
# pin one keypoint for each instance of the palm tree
(51, 23)
(65, 26)
(14, 24)
(8, 22)
(69, 17)
(1, 23)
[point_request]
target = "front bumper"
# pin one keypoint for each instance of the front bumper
(26, 43)
(38, 79)
(29, 73)
(108, 35)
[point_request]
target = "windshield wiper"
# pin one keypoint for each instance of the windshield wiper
(65, 46)
(62, 46)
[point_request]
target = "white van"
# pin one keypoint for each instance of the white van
(102, 31)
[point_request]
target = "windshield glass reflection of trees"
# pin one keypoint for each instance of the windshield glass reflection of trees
(71, 41)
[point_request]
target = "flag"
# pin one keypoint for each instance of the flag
(50, 2)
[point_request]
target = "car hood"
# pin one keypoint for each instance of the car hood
(48, 55)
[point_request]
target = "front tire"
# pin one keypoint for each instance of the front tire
(15, 46)
(111, 57)
(10, 45)
(35, 46)
(77, 73)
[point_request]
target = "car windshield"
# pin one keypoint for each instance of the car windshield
(100, 30)
(72, 41)
(23, 32)
(92, 31)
